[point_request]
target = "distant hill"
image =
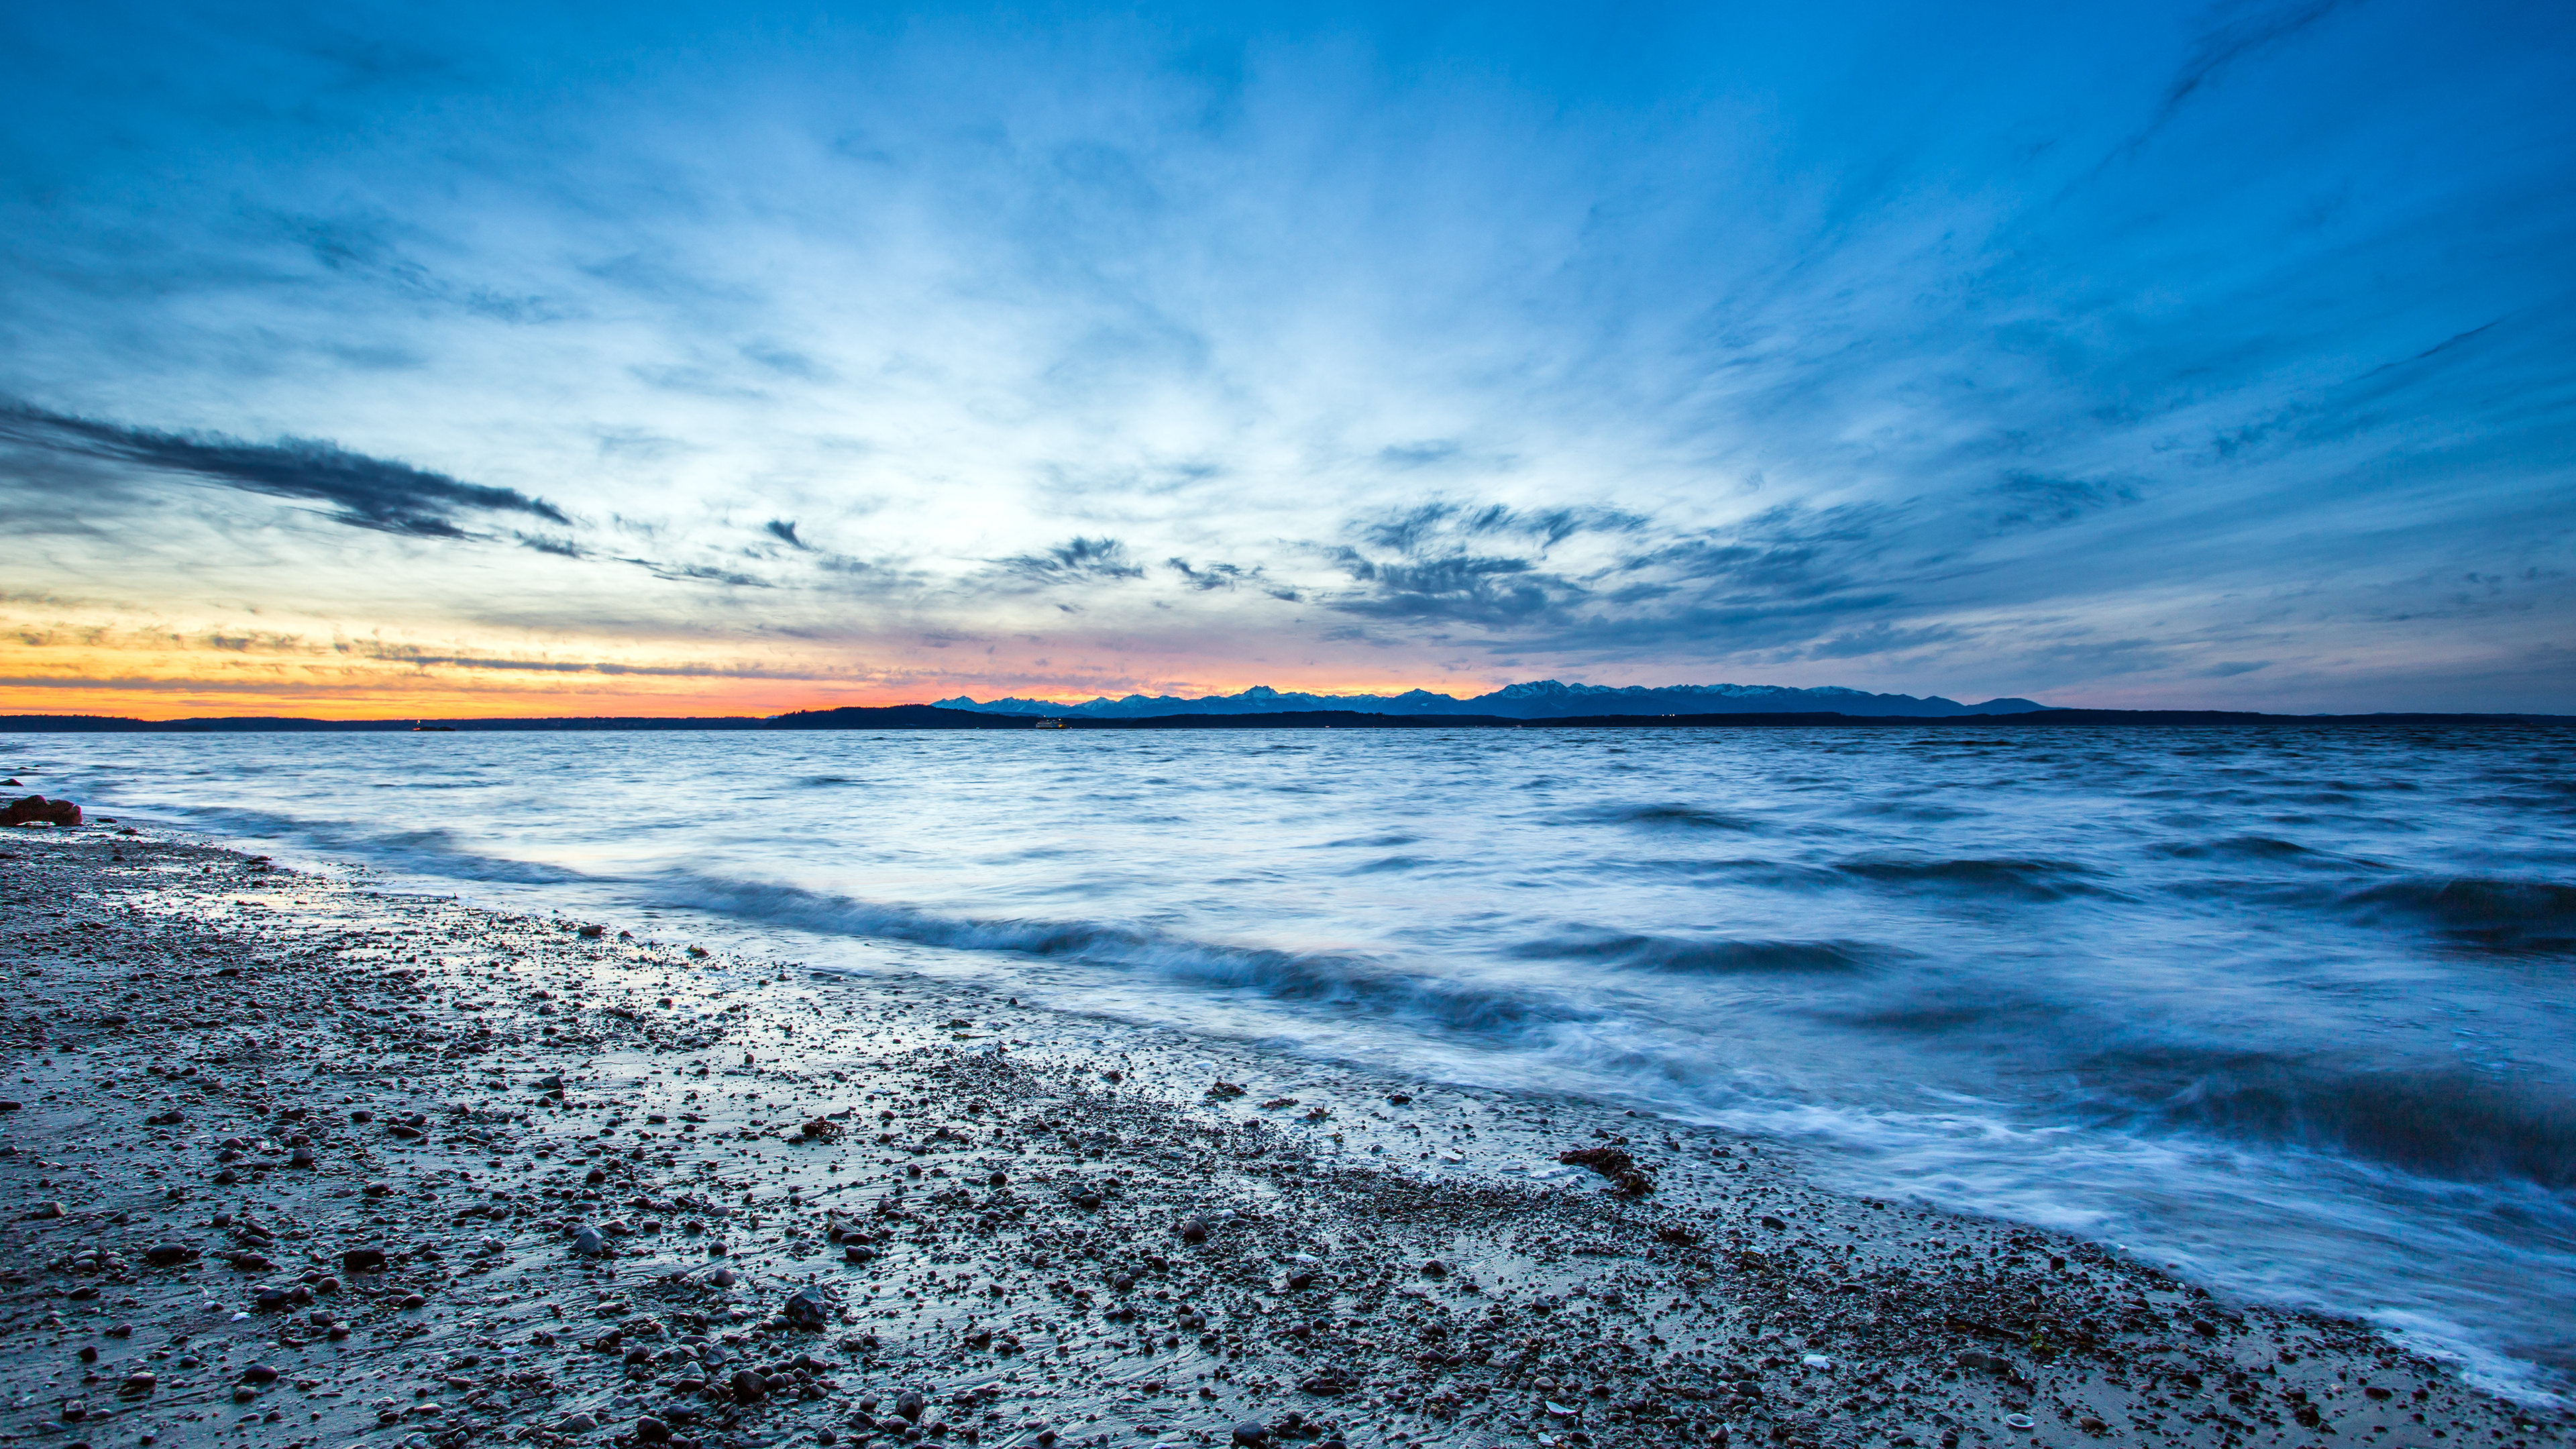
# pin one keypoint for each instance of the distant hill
(1542, 699)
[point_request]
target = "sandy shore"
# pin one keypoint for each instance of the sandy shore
(291, 1162)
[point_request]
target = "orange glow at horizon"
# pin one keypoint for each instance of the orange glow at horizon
(178, 684)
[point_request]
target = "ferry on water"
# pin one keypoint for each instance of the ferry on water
(1050, 724)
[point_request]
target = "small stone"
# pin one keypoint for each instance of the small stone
(575, 1423)
(45, 1210)
(910, 1404)
(1252, 1434)
(363, 1260)
(649, 1430)
(1194, 1230)
(807, 1308)
(748, 1387)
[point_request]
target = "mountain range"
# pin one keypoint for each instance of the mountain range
(1541, 699)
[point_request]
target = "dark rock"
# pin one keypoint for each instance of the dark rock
(807, 1308)
(649, 1430)
(1194, 1230)
(1252, 1434)
(169, 1255)
(909, 1404)
(37, 810)
(363, 1260)
(748, 1387)
(1614, 1164)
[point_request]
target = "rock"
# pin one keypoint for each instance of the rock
(589, 1242)
(259, 1373)
(137, 1385)
(748, 1387)
(1435, 1269)
(575, 1423)
(807, 1308)
(1776, 1225)
(1611, 1162)
(46, 1210)
(169, 1255)
(363, 1260)
(37, 810)
(649, 1430)
(1194, 1230)
(910, 1404)
(1252, 1434)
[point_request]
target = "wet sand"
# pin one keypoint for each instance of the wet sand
(291, 1161)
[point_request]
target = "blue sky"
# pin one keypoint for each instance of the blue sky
(510, 359)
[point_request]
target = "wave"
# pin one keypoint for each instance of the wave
(2029, 880)
(1671, 817)
(1390, 863)
(2507, 915)
(428, 850)
(2434, 1122)
(1722, 957)
(1329, 978)
(2236, 847)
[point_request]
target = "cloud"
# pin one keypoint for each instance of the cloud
(785, 532)
(1077, 561)
(1210, 577)
(360, 491)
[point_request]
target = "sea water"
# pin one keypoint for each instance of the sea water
(2289, 1008)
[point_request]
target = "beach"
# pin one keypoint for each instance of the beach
(292, 1160)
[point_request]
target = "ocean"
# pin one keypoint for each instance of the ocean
(2289, 1008)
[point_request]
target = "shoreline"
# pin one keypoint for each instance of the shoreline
(1052, 1238)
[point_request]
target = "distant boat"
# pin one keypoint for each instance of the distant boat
(1050, 724)
(431, 729)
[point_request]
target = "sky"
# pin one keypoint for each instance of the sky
(371, 360)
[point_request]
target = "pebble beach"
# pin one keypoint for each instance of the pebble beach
(290, 1160)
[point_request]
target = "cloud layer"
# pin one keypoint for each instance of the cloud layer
(2131, 357)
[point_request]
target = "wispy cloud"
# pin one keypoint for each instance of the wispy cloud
(364, 492)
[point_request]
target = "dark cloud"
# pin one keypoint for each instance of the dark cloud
(2236, 32)
(2038, 500)
(1412, 530)
(358, 490)
(784, 531)
(1205, 578)
(1077, 561)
